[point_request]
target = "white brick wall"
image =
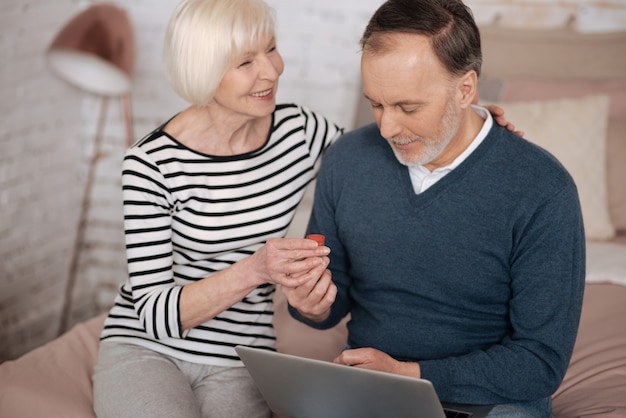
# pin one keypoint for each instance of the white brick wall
(40, 160)
(47, 129)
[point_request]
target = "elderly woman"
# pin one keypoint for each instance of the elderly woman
(207, 198)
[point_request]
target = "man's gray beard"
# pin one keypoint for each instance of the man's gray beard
(432, 149)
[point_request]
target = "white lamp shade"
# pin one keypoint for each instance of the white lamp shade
(95, 51)
(89, 72)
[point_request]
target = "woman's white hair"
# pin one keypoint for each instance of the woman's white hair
(204, 38)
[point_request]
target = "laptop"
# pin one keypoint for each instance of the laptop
(299, 387)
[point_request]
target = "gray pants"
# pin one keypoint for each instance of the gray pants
(132, 381)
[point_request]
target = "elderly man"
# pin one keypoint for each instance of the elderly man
(457, 246)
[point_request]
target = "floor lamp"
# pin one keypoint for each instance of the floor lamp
(94, 51)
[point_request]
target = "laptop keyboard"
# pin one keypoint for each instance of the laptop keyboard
(451, 413)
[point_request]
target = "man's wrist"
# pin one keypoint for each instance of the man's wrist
(315, 321)
(315, 318)
(411, 369)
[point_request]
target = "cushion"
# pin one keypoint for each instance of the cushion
(53, 380)
(616, 152)
(517, 89)
(574, 131)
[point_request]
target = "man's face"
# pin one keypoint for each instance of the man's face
(414, 100)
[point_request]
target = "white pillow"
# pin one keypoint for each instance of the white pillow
(574, 131)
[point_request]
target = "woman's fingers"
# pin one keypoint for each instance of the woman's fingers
(288, 260)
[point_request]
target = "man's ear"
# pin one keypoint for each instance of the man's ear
(468, 88)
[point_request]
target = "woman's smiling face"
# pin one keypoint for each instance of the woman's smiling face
(249, 87)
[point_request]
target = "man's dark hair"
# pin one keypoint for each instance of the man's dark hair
(449, 24)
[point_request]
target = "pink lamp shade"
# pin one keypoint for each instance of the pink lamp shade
(95, 51)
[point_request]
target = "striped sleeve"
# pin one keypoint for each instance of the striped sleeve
(319, 132)
(147, 225)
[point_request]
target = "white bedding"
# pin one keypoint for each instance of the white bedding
(606, 263)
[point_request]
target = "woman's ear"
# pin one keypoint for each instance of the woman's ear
(468, 88)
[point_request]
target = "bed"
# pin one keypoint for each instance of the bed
(567, 91)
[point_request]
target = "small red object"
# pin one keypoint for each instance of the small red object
(319, 238)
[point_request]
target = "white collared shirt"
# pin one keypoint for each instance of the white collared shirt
(422, 178)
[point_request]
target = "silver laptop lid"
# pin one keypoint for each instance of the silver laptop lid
(299, 387)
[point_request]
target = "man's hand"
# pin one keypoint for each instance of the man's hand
(370, 358)
(314, 298)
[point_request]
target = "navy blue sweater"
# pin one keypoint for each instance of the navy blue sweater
(479, 279)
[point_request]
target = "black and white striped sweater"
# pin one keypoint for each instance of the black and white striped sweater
(188, 215)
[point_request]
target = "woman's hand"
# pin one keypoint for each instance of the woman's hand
(289, 262)
(498, 115)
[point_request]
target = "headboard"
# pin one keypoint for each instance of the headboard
(539, 66)
(567, 92)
